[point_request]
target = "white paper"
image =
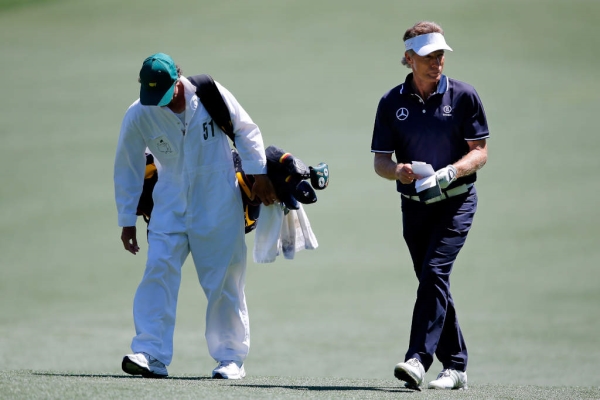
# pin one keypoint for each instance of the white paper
(425, 183)
(423, 169)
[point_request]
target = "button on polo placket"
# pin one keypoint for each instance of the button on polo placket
(421, 102)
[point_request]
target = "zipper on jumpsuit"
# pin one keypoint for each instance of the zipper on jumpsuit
(183, 127)
(189, 214)
(187, 179)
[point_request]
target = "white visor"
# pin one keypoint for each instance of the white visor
(425, 44)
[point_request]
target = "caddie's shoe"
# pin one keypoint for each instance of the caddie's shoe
(411, 372)
(145, 365)
(229, 370)
(450, 379)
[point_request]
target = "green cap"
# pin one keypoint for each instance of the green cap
(157, 77)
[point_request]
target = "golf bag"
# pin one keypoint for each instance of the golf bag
(287, 173)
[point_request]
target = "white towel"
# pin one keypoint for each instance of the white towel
(310, 240)
(287, 236)
(279, 233)
(266, 234)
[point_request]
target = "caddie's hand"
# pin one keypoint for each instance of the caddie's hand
(263, 188)
(445, 176)
(129, 239)
(405, 174)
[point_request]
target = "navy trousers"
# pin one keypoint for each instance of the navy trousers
(434, 234)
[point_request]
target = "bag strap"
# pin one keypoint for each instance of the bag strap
(210, 96)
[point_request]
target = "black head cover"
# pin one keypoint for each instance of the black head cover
(286, 173)
(305, 193)
(287, 162)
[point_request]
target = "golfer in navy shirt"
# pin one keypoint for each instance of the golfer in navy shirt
(439, 121)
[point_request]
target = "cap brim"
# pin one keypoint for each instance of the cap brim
(426, 44)
(166, 99)
(430, 48)
(155, 98)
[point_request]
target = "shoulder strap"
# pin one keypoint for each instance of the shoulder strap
(208, 93)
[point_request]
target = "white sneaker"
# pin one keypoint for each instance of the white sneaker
(229, 370)
(145, 365)
(450, 379)
(411, 372)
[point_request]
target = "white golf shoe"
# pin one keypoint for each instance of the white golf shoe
(450, 379)
(411, 372)
(229, 370)
(145, 365)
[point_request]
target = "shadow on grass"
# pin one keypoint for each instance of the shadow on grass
(311, 388)
(66, 375)
(306, 388)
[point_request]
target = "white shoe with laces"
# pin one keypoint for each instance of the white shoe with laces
(145, 365)
(229, 370)
(411, 372)
(450, 379)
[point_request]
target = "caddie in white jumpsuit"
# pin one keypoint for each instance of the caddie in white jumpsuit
(197, 209)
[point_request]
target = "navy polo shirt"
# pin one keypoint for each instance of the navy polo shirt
(434, 131)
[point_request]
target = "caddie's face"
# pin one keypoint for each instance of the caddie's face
(427, 68)
(177, 91)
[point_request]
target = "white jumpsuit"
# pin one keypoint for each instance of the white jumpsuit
(197, 209)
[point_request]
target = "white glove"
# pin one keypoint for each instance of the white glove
(445, 176)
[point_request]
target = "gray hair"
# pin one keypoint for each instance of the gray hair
(418, 29)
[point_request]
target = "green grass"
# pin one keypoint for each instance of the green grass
(334, 321)
(11, 4)
(72, 385)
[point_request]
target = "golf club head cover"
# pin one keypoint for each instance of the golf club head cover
(285, 172)
(319, 176)
(284, 161)
(305, 193)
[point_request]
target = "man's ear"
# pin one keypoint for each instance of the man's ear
(408, 57)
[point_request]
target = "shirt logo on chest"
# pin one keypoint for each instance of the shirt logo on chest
(447, 111)
(402, 114)
(163, 145)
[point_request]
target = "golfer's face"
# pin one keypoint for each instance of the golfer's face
(428, 67)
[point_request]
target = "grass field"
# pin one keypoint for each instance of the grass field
(333, 322)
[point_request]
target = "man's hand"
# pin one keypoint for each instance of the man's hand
(405, 174)
(129, 239)
(389, 169)
(264, 190)
(445, 176)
